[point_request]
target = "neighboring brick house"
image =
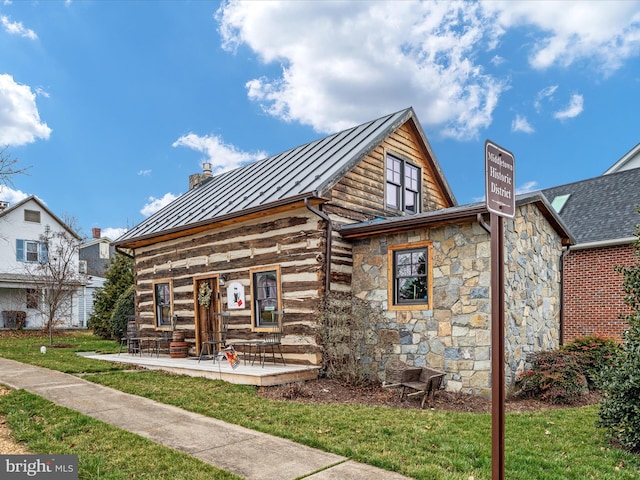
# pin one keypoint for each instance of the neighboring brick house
(602, 214)
(367, 211)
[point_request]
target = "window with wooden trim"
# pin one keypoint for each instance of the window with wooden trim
(32, 216)
(162, 301)
(265, 296)
(403, 181)
(410, 278)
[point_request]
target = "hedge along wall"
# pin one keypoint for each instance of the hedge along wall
(593, 293)
(455, 336)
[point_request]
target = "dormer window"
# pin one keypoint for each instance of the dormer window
(403, 185)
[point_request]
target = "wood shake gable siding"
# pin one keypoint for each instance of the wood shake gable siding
(293, 241)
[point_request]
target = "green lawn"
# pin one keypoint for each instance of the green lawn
(423, 444)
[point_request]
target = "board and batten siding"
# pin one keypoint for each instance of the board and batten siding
(360, 193)
(294, 241)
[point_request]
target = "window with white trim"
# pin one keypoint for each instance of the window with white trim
(31, 251)
(402, 185)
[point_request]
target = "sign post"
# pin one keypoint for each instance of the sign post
(500, 198)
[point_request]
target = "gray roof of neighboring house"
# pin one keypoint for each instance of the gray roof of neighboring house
(307, 171)
(600, 209)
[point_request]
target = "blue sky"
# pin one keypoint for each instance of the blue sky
(113, 104)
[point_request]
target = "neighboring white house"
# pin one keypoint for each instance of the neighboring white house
(21, 248)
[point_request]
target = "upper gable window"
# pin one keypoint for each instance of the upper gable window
(403, 185)
(32, 216)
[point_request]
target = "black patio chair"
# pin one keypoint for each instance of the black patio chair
(272, 339)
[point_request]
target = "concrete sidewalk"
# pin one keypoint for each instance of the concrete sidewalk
(212, 441)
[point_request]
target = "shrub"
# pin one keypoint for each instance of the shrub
(119, 276)
(593, 355)
(344, 333)
(619, 411)
(555, 377)
(122, 310)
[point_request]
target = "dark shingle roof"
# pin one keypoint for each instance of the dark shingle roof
(601, 209)
(310, 170)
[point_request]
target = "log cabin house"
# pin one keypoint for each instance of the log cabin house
(367, 211)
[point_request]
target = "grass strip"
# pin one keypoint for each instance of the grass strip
(104, 452)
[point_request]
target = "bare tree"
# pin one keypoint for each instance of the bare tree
(56, 276)
(8, 167)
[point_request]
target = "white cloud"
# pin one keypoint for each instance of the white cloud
(605, 32)
(113, 233)
(543, 95)
(144, 173)
(338, 71)
(19, 118)
(16, 28)
(222, 156)
(575, 108)
(527, 187)
(10, 195)
(521, 124)
(156, 204)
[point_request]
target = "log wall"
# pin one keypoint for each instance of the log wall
(294, 241)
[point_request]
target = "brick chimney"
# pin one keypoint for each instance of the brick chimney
(96, 233)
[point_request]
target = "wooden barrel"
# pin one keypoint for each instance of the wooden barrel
(178, 349)
(178, 336)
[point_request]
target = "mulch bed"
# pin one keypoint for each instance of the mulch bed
(325, 390)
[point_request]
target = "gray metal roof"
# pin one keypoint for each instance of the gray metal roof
(601, 209)
(310, 170)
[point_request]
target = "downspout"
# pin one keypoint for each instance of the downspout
(483, 224)
(327, 255)
(562, 262)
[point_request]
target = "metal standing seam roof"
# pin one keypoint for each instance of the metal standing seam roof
(310, 170)
(601, 209)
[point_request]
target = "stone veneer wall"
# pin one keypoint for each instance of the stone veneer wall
(455, 335)
(533, 282)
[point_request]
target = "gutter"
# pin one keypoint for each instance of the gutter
(605, 243)
(122, 252)
(327, 255)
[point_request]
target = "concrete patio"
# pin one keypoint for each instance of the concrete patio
(265, 375)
